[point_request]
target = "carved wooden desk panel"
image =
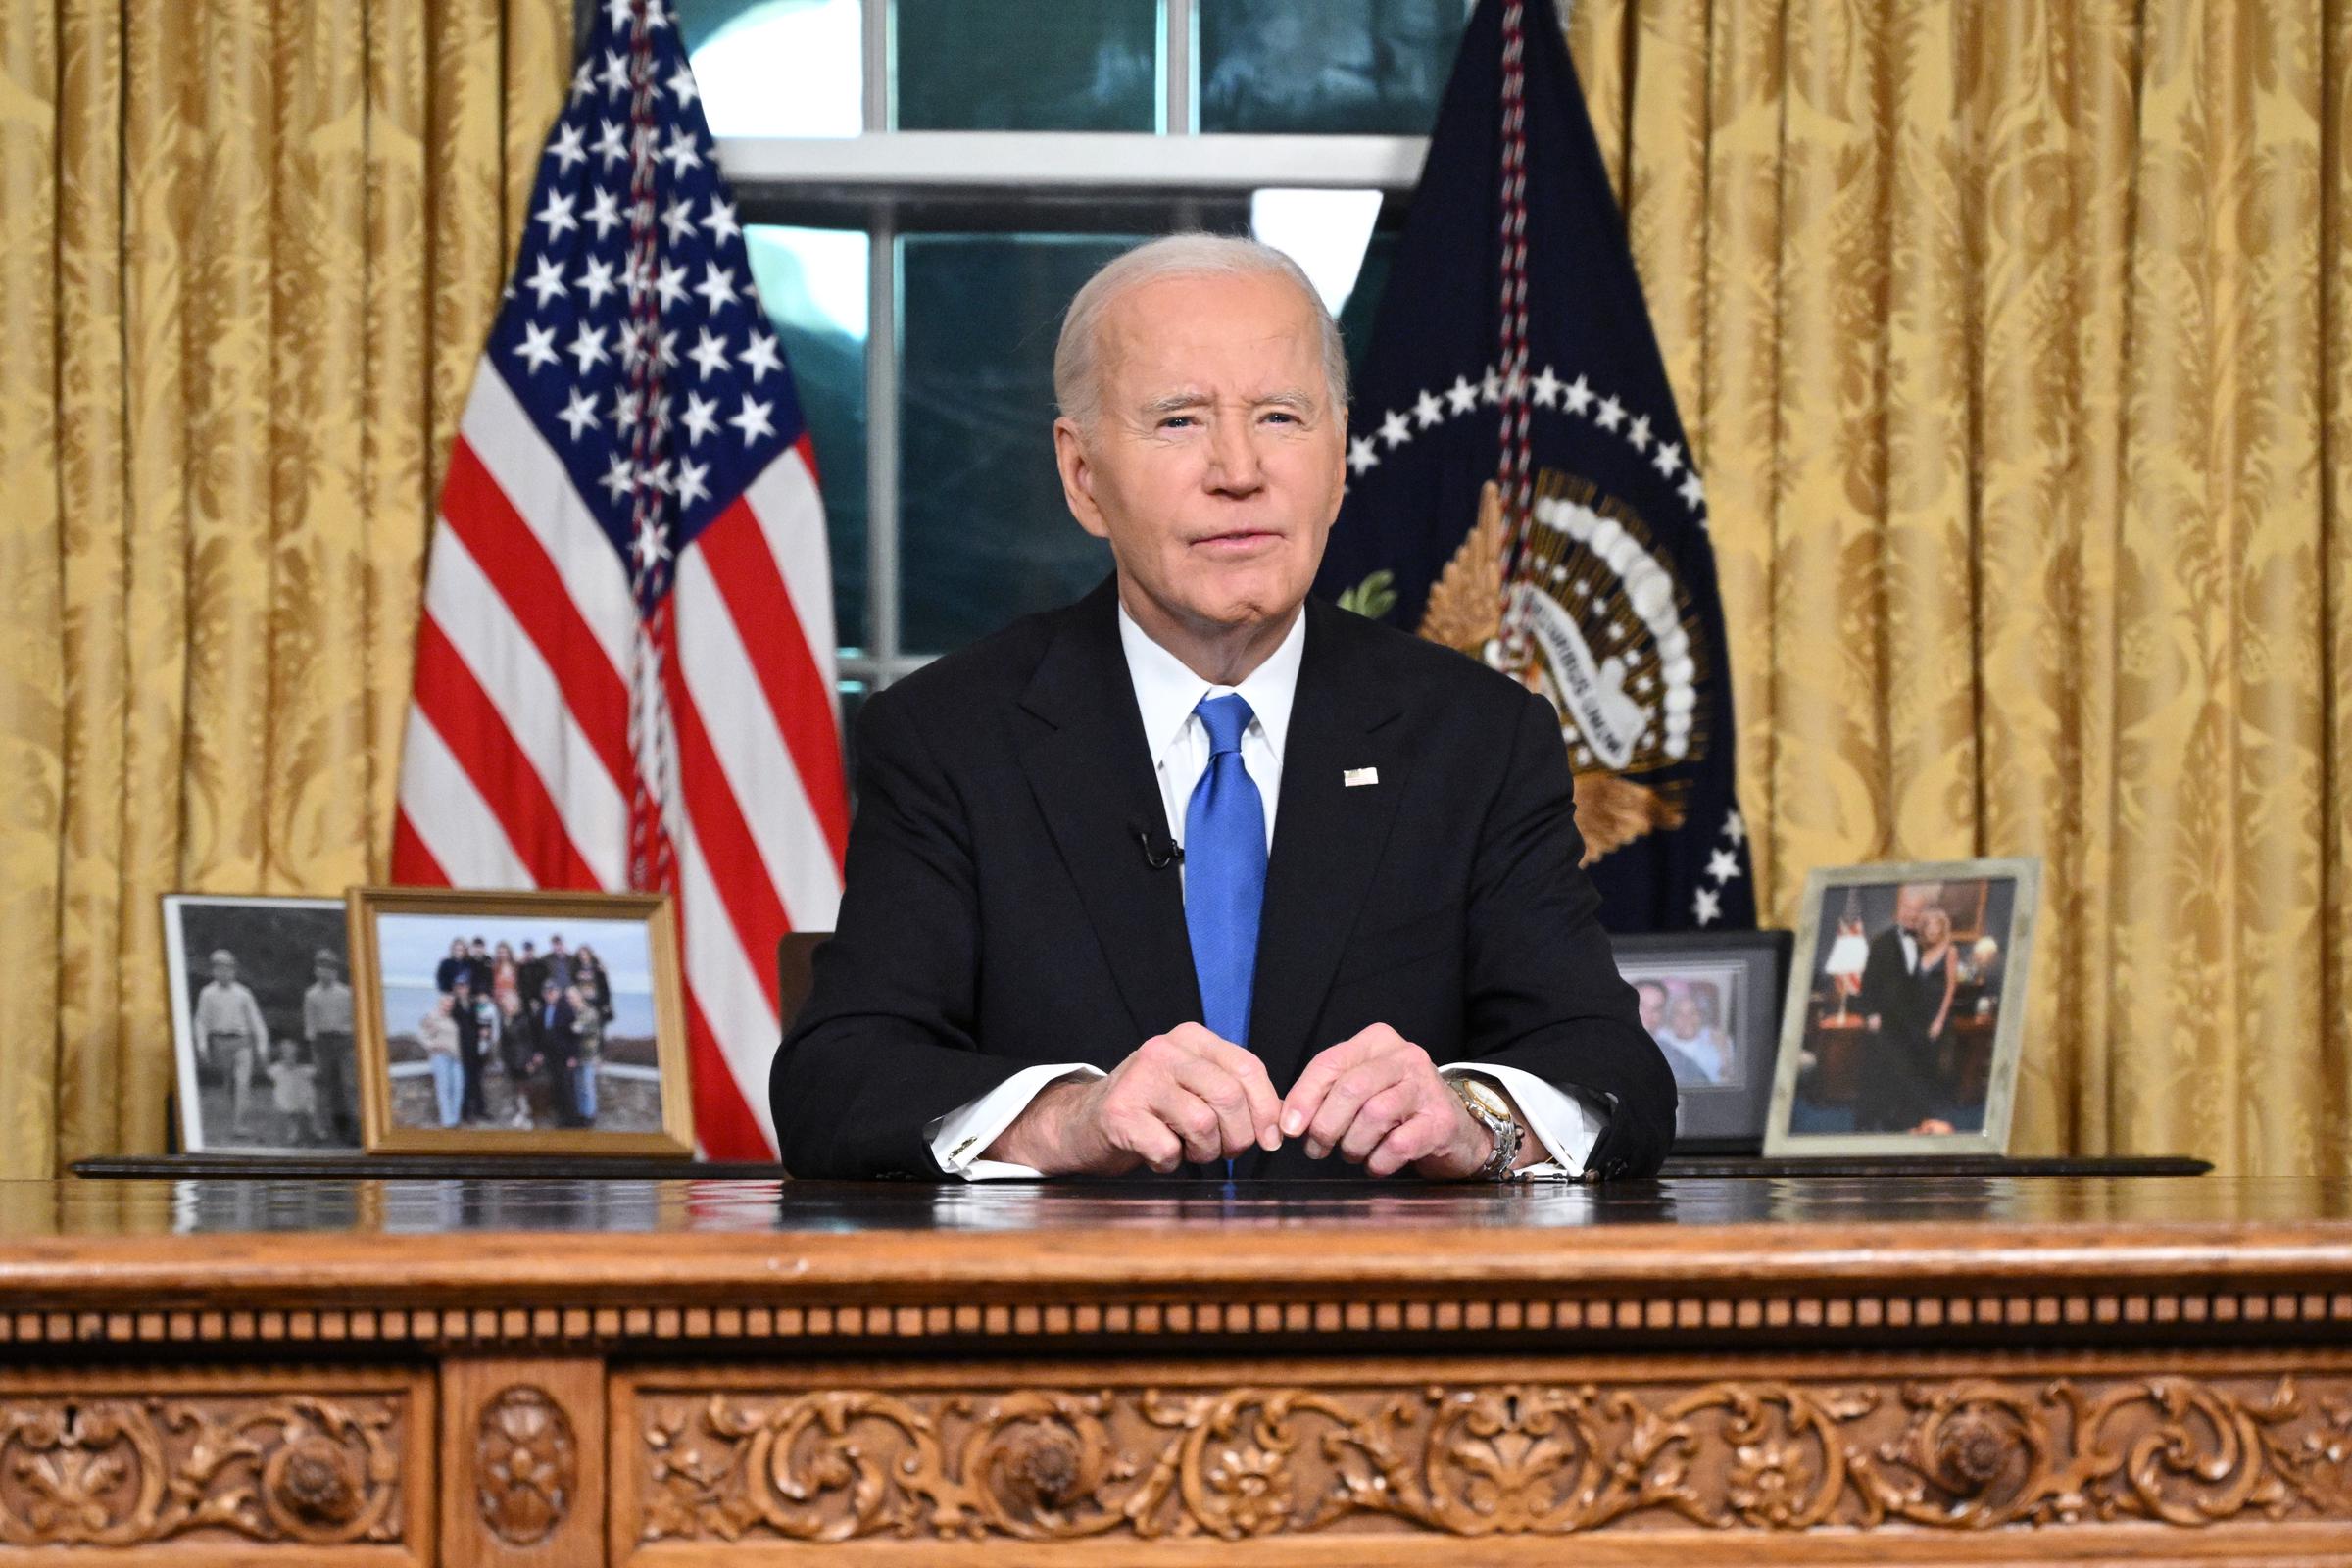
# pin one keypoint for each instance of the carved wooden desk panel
(1700, 1371)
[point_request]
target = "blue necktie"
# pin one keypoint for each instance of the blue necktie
(1225, 871)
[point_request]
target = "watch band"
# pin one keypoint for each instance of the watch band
(1485, 1109)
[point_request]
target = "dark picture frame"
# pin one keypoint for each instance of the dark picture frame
(1723, 988)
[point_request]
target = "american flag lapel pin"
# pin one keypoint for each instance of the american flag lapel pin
(1357, 777)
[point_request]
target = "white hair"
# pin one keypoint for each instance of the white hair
(1077, 354)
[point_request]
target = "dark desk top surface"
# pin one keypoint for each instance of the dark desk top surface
(485, 1236)
(402, 1206)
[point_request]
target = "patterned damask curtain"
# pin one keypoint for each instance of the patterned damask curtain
(248, 253)
(2017, 335)
(2017, 338)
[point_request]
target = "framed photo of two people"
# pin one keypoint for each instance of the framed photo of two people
(1905, 1015)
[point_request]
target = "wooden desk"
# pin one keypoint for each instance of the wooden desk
(1696, 1371)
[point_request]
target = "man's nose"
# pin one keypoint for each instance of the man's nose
(1234, 467)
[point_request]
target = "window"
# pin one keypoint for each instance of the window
(924, 184)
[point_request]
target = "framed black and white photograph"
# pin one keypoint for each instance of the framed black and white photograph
(262, 1024)
(1712, 1002)
(1906, 1021)
(520, 1022)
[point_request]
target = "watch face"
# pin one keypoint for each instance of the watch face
(1483, 1098)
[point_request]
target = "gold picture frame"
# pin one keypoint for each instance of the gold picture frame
(528, 1101)
(1931, 1069)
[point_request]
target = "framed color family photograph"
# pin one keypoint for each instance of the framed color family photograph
(549, 1022)
(1712, 1002)
(262, 1024)
(1905, 1016)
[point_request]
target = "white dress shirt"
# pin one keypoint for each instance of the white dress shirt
(1166, 693)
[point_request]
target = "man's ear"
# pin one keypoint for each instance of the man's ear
(1077, 476)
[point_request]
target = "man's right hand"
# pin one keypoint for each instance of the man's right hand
(1184, 1095)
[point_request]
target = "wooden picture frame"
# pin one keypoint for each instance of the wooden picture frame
(1733, 981)
(518, 1087)
(1891, 1047)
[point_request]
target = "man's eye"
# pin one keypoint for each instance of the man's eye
(1176, 421)
(1282, 415)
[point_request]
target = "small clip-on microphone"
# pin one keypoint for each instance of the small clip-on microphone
(1159, 851)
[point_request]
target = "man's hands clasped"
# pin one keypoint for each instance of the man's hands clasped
(1375, 1100)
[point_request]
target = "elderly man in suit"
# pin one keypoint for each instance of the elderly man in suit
(1199, 876)
(1900, 1091)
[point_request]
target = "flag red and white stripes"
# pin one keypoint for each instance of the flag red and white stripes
(627, 610)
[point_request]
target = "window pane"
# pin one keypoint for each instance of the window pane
(851, 695)
(777, 68)
(1027, 65)
(984, 534)
(1363, 300)
(1360, 66)
(813, 282)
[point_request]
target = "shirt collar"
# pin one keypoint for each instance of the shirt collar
(1166, 692)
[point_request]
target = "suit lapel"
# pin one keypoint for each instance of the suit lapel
(1091, 771)
(1328, 834)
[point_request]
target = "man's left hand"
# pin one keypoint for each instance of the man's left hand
(1379, 1101)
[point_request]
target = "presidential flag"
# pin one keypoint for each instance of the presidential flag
(624, 670)
(1520, 486)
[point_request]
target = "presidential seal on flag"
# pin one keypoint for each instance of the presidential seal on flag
(1520, 486)
(1594, 622)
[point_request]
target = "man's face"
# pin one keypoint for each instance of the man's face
(1911, 901)
(224, 971)
(1654, 1006)
(1216, 461)
(1685, 1018)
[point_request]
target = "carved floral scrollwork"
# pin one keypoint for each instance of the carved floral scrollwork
(526, 1466)
(101, 1472)
(1491, 1459)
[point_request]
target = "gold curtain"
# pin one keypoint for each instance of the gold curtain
(249, 250)
(2015, 336)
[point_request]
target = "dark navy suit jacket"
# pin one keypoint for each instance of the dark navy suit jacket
(1001, 910)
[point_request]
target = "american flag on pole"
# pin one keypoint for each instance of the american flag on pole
(625, 668)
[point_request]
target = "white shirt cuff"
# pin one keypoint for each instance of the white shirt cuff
(1563, 1121)
(958, 1138)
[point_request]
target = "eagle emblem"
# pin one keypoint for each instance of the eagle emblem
(1591, 621)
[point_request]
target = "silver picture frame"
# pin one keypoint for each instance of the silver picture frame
(1863, 1069)
(294, 1089)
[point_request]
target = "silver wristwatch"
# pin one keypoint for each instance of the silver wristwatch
(1490, 1111)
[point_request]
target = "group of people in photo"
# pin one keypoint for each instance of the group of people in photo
(539, 1017)
(310, 1088)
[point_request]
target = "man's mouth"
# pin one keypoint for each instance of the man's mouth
(1238, 539)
